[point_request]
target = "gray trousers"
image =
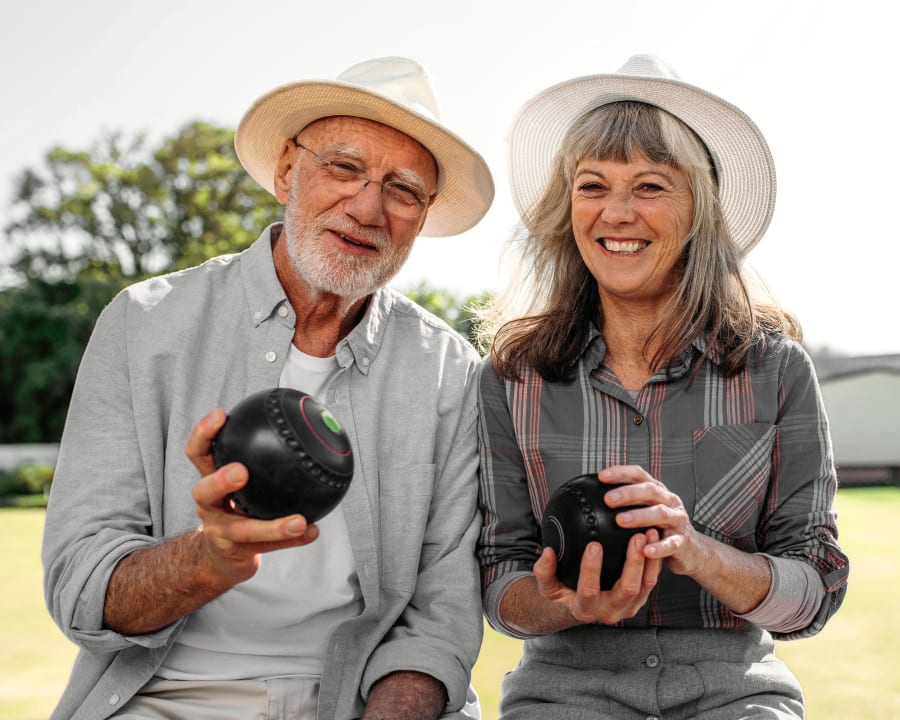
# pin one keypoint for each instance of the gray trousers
(597, 672)
(291, 698)
(288, 698)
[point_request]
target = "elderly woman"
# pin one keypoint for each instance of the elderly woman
(643, 355)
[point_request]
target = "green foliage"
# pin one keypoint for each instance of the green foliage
(28, 479)
(35, 478)
(458, 313)
(43, 330)
(90, 223)
(125, 210)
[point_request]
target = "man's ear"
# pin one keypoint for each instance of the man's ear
(283, 170)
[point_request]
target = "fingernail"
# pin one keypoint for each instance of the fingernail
(296, 527)
(233, 476)
(614, 495)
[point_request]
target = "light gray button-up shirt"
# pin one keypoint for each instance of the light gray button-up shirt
(168, 350)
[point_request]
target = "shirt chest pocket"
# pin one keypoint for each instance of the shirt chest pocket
(732, 466)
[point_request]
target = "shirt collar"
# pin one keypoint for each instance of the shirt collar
(364, 341)
(265, 294)
(261, 285)
(595, 350)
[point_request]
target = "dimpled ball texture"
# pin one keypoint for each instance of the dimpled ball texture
(298, 456)
(576, 514)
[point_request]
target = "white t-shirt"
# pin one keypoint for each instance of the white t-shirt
(279, 622)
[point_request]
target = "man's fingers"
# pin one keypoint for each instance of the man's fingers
(212, 490)
(199, 444)
(251, 531)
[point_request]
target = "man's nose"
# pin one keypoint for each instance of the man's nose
(366, 206)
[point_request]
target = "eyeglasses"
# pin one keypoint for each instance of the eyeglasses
(400, 198)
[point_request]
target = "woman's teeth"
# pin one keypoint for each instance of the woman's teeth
(624, 246)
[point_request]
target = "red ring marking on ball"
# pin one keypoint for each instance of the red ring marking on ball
(313, 429)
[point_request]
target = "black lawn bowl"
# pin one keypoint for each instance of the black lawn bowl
(297, 454)
(576, 514)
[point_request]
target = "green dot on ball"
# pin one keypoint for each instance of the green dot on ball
(331, 422)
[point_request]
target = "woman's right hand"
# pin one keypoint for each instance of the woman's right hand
(588, 603)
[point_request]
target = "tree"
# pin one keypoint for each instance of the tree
(88, 224)
(127, 211)
(43, 330)
(459, 314)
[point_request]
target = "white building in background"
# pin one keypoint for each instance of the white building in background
(862, 399)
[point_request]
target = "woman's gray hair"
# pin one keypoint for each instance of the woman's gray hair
(544, 316)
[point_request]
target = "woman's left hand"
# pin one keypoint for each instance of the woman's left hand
(738, 579)
(684, 549)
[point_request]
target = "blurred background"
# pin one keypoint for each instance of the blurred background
(817, 76)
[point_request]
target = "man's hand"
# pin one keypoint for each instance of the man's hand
(233, 542)
(155, 586)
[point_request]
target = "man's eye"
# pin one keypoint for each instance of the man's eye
(343, 169)
(403, 193)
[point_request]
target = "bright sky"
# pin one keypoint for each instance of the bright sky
(819, 77)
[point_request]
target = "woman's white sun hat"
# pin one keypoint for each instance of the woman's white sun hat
(394, 91)
(743, 162)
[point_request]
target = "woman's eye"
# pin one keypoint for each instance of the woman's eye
(591, 189)
(650, 189)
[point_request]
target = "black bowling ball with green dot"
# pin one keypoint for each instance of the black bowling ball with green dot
(297, 454)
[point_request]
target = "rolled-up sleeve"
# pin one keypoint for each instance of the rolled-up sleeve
(85, 538)
(799, 521)
(510, 540)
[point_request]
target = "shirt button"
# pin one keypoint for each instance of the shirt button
(638, 419)
(652, 661)
(114, 699)
(271, 356)
(652, 717)
(282, 311)
(365, 362)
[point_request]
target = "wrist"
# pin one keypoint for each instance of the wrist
(406, 695)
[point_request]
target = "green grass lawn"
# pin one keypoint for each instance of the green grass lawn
(35, 657)
(848, 671)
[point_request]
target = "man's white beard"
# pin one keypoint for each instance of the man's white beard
(325, 268)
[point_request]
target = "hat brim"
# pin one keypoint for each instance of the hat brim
(466, 185)
(743, 162)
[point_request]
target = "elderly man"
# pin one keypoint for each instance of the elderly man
(372, 612)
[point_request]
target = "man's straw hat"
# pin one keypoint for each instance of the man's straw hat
(394, 91)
